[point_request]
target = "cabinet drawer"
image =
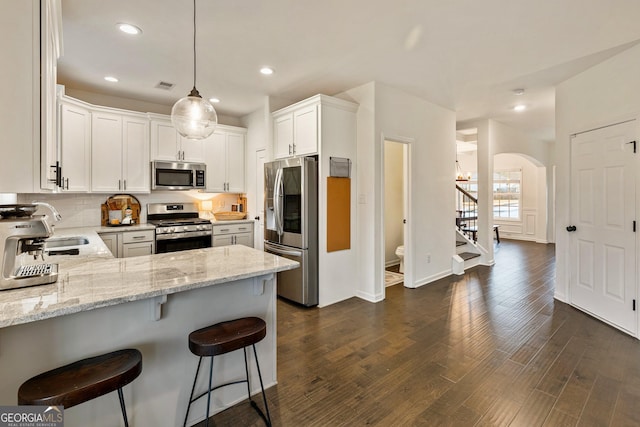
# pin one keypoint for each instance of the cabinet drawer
(232, 229)
(138, 236)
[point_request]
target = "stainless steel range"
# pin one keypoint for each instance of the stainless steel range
(178, 227)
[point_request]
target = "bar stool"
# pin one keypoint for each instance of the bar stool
(83, 380)
(223, 338)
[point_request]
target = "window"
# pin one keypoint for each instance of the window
(506, 194)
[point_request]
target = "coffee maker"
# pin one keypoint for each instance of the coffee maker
(22, 241)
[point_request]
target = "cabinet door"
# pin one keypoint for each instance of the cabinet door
(75, 147)
(106, 152)
(165, 144)
(235, 163)
(283, 136)
(137, 249)
(245, 239)
(136, 174)
(192, 149)
(215, 150)
(111, 240)
(224, 240)
(305, 126)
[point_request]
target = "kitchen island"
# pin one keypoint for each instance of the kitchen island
(152, 303)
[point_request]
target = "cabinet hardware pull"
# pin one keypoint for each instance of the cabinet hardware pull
(125, 184)
(67, 183)
(119, 184)
(137, 237)
(224, 229)
(294, 149)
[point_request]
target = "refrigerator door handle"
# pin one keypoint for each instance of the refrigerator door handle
(279, 251)
(277, 201)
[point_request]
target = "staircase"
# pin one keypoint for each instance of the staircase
(466, 230)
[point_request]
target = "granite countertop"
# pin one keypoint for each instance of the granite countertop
(231, 221)
(95, 279)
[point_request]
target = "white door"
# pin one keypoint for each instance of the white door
(603, 251)
(261, 156)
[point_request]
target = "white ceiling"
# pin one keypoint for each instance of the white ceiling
(466, 55)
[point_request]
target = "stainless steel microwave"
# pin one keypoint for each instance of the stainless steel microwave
(166, 175)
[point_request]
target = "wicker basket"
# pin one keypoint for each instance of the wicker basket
(228, 216)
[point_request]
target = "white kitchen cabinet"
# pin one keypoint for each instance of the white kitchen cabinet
(168, 144)
(126, 244)
(111, 240)
(22, 95)
(75, 146)
(119, 152)
(225, 159)
(51, 47)
(295, 130)
(233, 234)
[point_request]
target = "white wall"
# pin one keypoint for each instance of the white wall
(400, 116)
(393, 200)
(604, 94)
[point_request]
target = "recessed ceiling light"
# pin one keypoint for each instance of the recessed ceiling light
(267, 71)
(518, 92)
(111, 79)
(214, 100)
(129, 28)
(520, 107)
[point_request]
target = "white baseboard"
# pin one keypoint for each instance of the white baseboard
(429, 279)
(370, 297)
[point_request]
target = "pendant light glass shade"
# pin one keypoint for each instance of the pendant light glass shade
(193, 116)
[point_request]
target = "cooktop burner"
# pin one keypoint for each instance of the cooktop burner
(178, 222)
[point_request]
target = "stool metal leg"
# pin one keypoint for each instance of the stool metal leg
(264, 396)
(192, 390)
(209, 393)
(124, 410)
(246, 370)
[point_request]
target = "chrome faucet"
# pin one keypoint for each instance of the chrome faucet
(53, 210)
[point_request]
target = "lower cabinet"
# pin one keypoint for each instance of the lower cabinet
(233, 234)
(127, 244)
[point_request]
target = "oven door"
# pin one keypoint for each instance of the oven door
(175, 244)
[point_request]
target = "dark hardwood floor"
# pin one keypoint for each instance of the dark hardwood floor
(489, 348)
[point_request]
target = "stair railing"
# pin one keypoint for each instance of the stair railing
(466, 213)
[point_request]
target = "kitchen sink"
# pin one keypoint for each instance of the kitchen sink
(58, 242)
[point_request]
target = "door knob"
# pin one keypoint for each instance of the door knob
(571, 228)
(257, 218)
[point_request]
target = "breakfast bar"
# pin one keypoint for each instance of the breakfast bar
(151, 303)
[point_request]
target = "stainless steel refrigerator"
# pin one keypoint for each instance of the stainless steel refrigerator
(291, 224)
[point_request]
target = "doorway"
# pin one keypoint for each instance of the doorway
(602, 229)
(397, 257)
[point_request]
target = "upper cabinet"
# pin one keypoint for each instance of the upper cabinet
(298, 130)
(21, 44)
(119, 152)
(295, 130)
(168, 144)
(75, 146)
(225, 157)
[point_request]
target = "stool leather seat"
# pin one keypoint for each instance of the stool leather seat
(83, 380)
(227, 336)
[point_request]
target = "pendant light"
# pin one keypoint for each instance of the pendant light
(193, 116)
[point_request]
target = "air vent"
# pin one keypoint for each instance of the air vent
(165, 85)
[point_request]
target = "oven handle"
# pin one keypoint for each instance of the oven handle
(276, 250)
(186, 235)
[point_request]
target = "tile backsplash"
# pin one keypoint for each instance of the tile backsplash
(83, 210)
